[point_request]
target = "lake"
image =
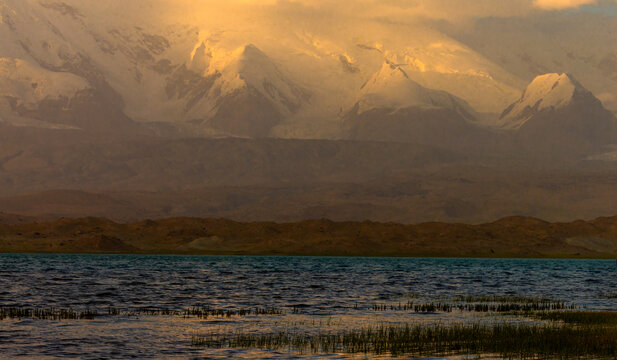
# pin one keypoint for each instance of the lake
(306, 294)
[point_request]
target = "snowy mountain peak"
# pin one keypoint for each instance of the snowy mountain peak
(557, 114)
(240, 91)
(245, 68)
(252, 52)
(552, 90)
(545, 92)
(391, 88)
(248, 66)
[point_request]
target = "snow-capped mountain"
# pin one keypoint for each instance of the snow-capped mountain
(244, 94)
(549, 92)
(556, 112)
(92, 65)
(392, 107)
(199, 76)
(391, 88)
(574, 42)
(52, 53)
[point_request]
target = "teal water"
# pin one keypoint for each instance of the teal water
(339, 289)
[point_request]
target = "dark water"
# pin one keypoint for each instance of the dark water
(342, 290)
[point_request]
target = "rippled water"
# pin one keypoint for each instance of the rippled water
(330, 291)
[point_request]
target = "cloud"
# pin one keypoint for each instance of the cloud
(561, 4)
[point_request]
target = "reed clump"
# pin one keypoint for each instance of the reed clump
(580, 317)
(201, 312)
(494, 303)
(505, 299)
(483, 306)
(46, 314)
(513, 307)
(89, 314)
(419, 308)
(205, 312)
(508, 340)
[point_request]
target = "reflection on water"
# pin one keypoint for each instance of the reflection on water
(327, 292)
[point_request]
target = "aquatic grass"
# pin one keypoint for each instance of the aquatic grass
(148, 311)
(205, 312)
(513, 307)
(580, 317)
(46, 314)
(507, 340)
(498, 307)
(201, 312)
(419, 308)
(505, 299)
(89, 314)
(612, 295)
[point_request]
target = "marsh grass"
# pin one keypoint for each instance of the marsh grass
(580, 317)
(46, 314)
(205, 312)
(419, 308)
(508, 340)
(483, 306)
(505, 308)
(503, 299)
(88, 314)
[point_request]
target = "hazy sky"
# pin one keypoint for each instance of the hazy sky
(432, 8)
(393, 10)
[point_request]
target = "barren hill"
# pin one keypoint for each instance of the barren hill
(508, 237)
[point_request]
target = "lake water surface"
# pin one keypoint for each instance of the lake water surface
(313, 293)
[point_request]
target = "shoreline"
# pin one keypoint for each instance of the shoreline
(565, 257)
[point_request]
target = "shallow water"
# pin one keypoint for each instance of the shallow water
(330, 293)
